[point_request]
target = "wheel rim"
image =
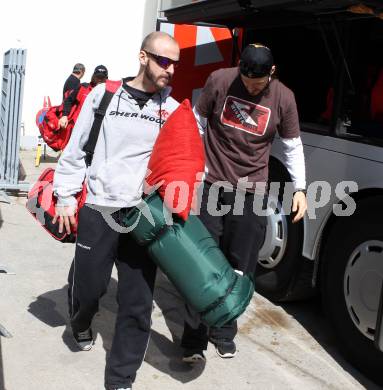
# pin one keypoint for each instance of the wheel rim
(362, 283)
(274, 246)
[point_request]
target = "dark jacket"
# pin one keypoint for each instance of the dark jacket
(71, 83)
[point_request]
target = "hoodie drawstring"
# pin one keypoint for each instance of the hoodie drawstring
(119, 98)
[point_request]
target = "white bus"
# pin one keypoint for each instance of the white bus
(330, 53)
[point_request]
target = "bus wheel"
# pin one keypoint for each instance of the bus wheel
(282, 273)
(351, 283)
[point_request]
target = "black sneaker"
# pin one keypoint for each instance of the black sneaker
(192, 356)
(84, 340)
(226, 349)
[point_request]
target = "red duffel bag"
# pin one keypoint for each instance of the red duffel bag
(55, 136)
(41, 201)
(42, 205)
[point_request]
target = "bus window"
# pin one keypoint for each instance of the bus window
(362, 110)
(307, 61)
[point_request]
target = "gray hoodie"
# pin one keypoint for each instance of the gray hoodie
(124, 146)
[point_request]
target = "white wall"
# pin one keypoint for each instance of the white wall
(57, 34)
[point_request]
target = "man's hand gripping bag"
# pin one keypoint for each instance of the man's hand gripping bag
(184, 250)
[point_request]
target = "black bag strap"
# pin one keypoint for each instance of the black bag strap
(110, 90)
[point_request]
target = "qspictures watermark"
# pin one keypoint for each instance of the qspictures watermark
(319, 195)
(269, 199)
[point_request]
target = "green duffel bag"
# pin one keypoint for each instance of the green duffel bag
(190, 258)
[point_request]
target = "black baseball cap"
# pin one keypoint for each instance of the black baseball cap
(101, 70)
(256, 61)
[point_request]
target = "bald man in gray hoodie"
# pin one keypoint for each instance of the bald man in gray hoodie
(114, 183)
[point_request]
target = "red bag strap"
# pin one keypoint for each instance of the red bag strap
(112, 85)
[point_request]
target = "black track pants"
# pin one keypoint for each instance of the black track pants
(98, 247)
(240, 238)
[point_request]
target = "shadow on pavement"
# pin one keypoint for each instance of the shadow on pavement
(163, 354)
(22, 172)
(52, 309)
(311, 316)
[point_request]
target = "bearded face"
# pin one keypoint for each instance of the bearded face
(157, 76)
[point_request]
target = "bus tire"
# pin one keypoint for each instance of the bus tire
(348, 299)
(291, 278)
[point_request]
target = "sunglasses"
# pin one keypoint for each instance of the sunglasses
(163, 62)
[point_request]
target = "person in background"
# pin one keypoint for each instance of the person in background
(78, 95)
(73, 81)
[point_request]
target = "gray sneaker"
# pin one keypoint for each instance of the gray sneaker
(84, 339)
